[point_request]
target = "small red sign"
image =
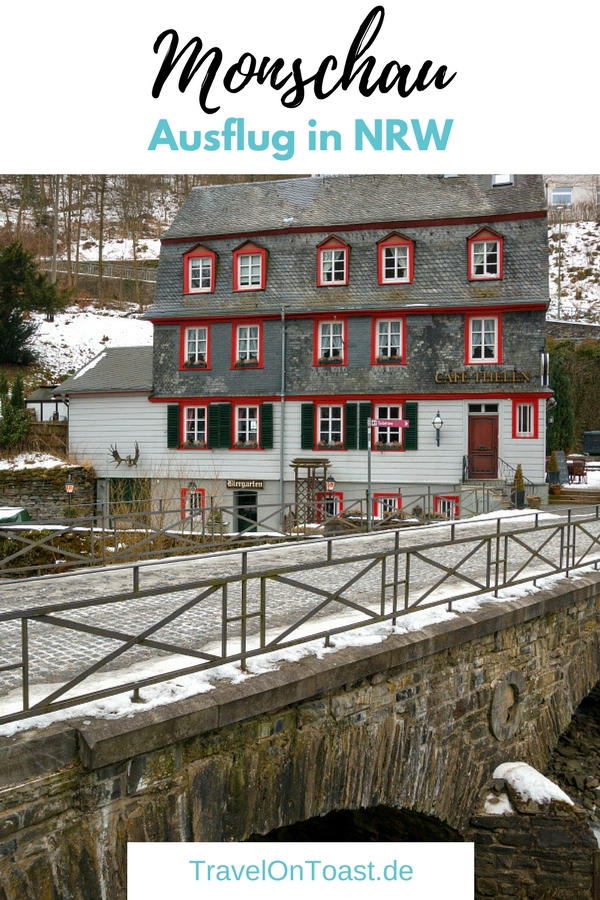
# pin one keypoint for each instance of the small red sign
(390, 423)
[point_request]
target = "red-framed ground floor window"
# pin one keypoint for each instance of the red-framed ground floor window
(447, 505)
(192, 500)
(329, 503)
(385, 504)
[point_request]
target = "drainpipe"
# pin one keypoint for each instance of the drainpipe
(282, 415)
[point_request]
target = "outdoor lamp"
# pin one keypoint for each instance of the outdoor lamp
(330, 485)
(437, 424)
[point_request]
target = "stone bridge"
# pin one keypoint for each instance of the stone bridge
(390, 741)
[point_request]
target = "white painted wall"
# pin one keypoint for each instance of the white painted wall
(97, 422)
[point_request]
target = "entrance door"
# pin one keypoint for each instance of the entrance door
(483, 446)
(246, 510)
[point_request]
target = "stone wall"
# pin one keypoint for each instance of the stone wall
(534, 852)
(42, 491)
(405, 724)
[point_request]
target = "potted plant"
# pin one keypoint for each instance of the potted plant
(518, 491)
(553, 470)
(330, 360)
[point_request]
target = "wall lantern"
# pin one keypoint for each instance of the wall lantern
(437, 424)
(330, 485)
(69, 489)
(192, 487)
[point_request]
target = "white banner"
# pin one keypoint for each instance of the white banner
(313, 87)
(220, 871)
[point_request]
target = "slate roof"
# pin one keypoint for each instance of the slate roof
(290, 218)
(114, 370)
(333, 200)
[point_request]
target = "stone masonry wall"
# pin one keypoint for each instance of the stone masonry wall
(404, 724)
(43, 490)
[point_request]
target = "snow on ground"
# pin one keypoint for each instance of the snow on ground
(75, 337)
(531, 784)
(580, 271)
(119, 250)
(32, 460)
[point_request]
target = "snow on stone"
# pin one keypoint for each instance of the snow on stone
(531, 784)
(498, 804)
(33, 460)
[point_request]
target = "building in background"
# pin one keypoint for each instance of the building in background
(289, 313)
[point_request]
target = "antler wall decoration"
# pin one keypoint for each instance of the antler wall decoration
(128, 460)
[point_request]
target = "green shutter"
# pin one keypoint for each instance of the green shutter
(307, 426)
(266, 426)
(173, 426)
(411, 412)
(213, 426)
(364, 413)
(225, 425)
(351, 426)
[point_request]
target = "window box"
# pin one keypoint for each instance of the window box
(246, 363)
(332, 263)
(246, 445)
(391, 445)
(198, 445)
(389, 360)
(395, 260)
(485, 252)
(331, 361)
(195, 364)
(330, 445)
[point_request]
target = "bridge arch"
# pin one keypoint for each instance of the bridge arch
(381, 824)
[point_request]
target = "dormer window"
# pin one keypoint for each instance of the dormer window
(249, 267)
(199, 266)
(396, 260)
(502, 180)
(332, 262)
(485, 249)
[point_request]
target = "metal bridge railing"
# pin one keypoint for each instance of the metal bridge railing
(226, 616)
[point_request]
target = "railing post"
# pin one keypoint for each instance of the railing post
(395, 588)
(244, 621)
(25, 662)
(407, 581)
(383, 584)
(263, 612)
(136, 579)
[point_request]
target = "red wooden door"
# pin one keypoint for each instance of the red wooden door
(483, 446)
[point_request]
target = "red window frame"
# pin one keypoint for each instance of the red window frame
(246, 446)
(201, 492)
(325, 320)
(535, 418)
(395, 240)
(332, 243)
(469, 361)
(198, 252)
(249, 248)
(395, 360)
(183, 406)
(331, 448)
(380, 495)
(200, 323)
(323, 497)
(376, 445)
(236, 362)
(451, 498)
(485, 235)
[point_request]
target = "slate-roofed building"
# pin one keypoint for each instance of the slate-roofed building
(289, 313)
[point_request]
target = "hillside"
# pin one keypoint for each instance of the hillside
(580, 271)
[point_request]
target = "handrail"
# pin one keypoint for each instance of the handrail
(237, 615)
